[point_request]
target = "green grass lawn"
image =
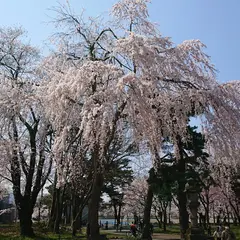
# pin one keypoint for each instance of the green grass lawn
(11, 232)
(236, 230)
(172, 229)
(175, 229)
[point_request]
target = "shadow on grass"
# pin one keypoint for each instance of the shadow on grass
(11, 232)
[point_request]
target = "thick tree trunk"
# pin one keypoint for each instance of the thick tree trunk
(32, 169)
(53, 206)
(59, 209)
(119, 217)
(94, 206)
(182, 196)
(115, 216)
(147, 214)
(25, 216)
(25, 210)
(183, 214)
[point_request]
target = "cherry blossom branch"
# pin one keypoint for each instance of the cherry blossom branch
(186, 83)
(121, 64)
(106, 30)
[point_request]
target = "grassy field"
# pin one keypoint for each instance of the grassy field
(175, 229)
(236, 230)
(11, 232)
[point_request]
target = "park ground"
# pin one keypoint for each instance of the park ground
(11, 232)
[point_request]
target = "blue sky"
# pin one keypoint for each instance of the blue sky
(214, 22)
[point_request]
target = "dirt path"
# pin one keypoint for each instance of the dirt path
(162, 236)
(156, 236)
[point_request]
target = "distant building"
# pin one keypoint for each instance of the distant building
(9, 210)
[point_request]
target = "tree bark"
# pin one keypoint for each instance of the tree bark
(25, 216)
(119, 216)
(78, 205)
(77, 208)
(115, 215)
(165, 219)
(147, 214)
(33, 172)
(59, 209)
(74, 214)
(207, 209)
(69, 214)
(53, 206)
(94, 206)
(169, 212)
(206, 204)
(158, 217)
(77, 222)
(183, 214)
(182, 196)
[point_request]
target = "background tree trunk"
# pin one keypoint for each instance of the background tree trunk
(169, 212)
(165, 219)
(74, 214)
(158, 216)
